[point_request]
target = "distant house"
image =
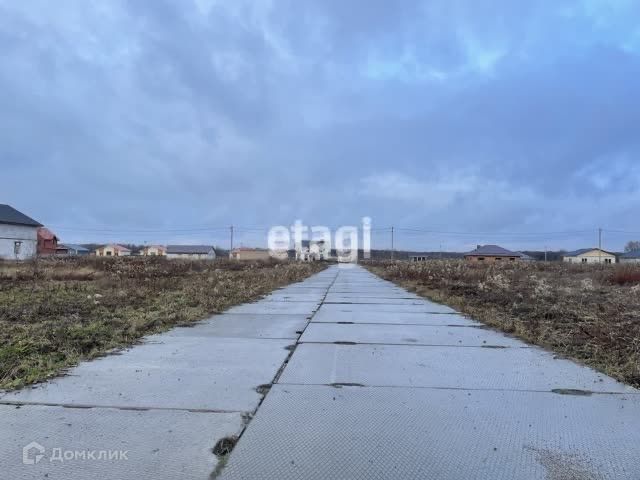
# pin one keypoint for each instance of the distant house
(419, 257)
(73, 250)
(311, 250)
(589, 255)
(47, 242)
(18, 234)
(244, 253)
(192, 252)
(630, 257)
(526, 258)
(491, 254)
(113, 251)
(153, 251)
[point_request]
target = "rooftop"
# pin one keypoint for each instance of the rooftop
(492, 251)
(11, 216)
(189, 249)
(582, 251)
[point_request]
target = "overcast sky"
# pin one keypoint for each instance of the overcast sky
(509, 122)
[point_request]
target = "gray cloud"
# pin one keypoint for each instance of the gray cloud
(458, 116)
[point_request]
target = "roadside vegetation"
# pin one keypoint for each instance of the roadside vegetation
(588, 313)
(57, 312)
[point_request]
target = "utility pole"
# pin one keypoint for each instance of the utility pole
(545, 253)
(231, 239)
(599, 245)
(392, 248)
(600, 238)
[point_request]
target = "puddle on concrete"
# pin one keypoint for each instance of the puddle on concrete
(572, 391)
(224, 446)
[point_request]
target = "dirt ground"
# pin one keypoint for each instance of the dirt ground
(57, 312)
(588, 313)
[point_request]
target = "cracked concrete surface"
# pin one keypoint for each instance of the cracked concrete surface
(165, 402)
(360, 380)
(386, 386)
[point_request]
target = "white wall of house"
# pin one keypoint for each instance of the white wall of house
(112, 251)
(193, 256)
(10, 234)
(630, 260)
(592, 256)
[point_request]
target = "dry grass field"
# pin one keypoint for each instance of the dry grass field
(588, 313)
(56, 312)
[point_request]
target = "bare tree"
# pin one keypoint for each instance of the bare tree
(632, 246)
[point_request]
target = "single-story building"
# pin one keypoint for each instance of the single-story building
(589, 255)
(153, 251)
(419, 257)
(311, 250)
(73, 250)
(491, 254)
(191, 252)
(244, 253)
(113, 251)
(630, 257)
(18, 234)
(47, 242)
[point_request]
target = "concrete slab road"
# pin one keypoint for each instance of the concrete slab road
(156, 410)
(396, 390)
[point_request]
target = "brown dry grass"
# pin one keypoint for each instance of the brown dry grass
(588, 313)
(56, 312)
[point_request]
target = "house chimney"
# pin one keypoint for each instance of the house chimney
(478, 247)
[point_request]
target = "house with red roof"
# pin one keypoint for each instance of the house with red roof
(47, 242)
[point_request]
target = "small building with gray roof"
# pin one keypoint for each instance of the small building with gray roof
(630, 257)
(191, 252)
(589, 255)
(491, 254)
(18, 234)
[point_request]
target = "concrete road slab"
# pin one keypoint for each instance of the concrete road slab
(214, 373)
(380, 299)
(290, 308)
(406, 335)
(159, 444)
(384, 292)
(429, 307)
(442, 367)
(294, 297)
(318, 432)
(324, 315)
(247, 325)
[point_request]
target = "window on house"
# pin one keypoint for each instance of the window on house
(512, 259)
(481, 259)
(108, 254)
(17, 246)
(498, 259)
(607, 260)
(584, 260)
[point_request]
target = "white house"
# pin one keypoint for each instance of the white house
(630, 257)
(589, 255)
(112, 251)
(153, 251)
(310, 251)
(18, 234)
(191, 252)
